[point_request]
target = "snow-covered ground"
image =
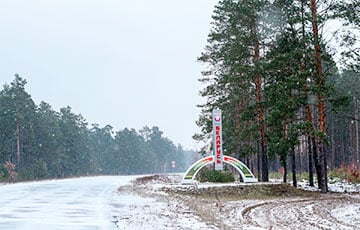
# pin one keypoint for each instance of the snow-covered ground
(115, 202)
(317, 211)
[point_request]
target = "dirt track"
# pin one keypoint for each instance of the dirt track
(302, 213)
(283, 209)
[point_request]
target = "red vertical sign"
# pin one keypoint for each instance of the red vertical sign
(217, 139)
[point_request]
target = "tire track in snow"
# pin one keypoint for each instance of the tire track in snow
(300, 214)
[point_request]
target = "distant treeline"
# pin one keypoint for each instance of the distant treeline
(37, 142)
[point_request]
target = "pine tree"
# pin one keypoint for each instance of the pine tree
(235, 79)
(47, 140)
(18, 113)
(75, 153)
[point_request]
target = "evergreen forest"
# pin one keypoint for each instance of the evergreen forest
(285, 73)
(37, 142)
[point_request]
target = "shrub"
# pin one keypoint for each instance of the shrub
(4, 175)
(276, 175)
(345, 173)
(304, 176)
(354, 176)
(10, 167)
(208, 175)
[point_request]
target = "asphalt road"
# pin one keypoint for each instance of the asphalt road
(79, 203)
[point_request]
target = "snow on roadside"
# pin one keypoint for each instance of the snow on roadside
(332, 211)
(146, 207)
(149, 213)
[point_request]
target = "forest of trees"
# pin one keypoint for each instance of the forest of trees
(287, 85)
(288, 88)
(37, 142)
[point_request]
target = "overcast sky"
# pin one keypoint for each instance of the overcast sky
(125, 63)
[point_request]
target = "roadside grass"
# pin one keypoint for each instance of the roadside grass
(259, 191)
(344, 174)
(278, 176)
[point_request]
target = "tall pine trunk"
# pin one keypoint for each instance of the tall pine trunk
(332, 141)
(293, 166)
(260, 116)
(308, 115)
(320, 80)
(311, 165)
(312, 150)
(258, 165)
(285, 170)
(18, 148)
(356, 116)
(238, 126)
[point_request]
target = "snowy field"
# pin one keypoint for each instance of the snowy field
(116, 202)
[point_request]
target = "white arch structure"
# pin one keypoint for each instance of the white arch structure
(245, 173)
